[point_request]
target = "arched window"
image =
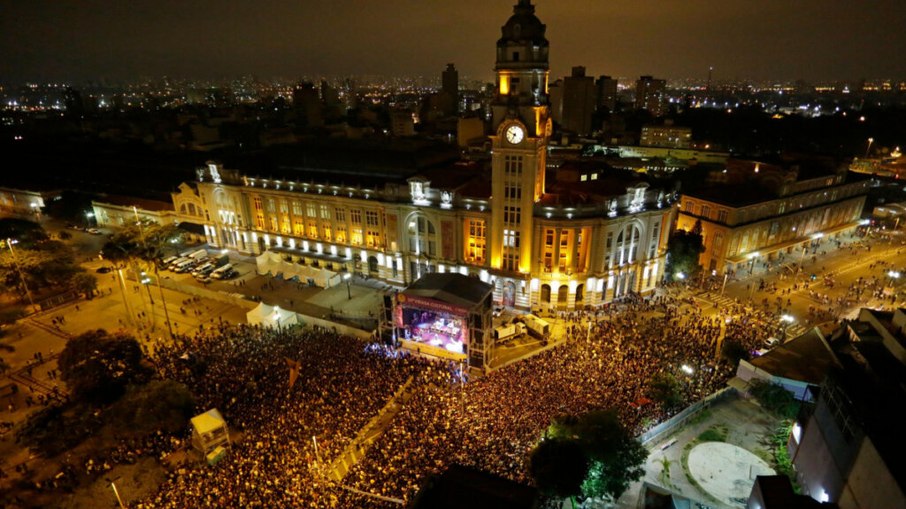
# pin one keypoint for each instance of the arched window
(422, 236)
(626, 248)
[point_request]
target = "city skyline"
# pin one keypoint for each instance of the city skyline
(51, 41)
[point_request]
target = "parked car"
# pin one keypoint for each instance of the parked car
(104, 270)
(94, 231)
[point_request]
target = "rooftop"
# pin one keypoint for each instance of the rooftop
(807, 358)
(451, 288)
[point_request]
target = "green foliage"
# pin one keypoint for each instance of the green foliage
(558, 467)
(683, 253)
(44, 264)
(27, 233)
(775, 399)
(98, 367)
(617, 458)
(782, 462)
(665, 389)
(56, 429)
(84, 283)
(9, 314)
(714, 434)
(733, 351)
(159, 405)
(71, 206)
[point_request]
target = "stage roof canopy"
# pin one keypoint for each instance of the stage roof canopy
(455, 289)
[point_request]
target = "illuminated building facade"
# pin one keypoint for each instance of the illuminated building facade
(569, 243)
(753, 212)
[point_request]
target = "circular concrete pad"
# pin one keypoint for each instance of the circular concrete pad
(726, 471)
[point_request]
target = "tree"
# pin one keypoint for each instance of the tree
(774, 398)
(666, 390)
(159, 405)
(85, 284)
(558, 467)
(732, 350)
(43, 264)
(617, 458)
(97, 366)
(683, 253)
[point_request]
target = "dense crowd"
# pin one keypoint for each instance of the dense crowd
(286, 439)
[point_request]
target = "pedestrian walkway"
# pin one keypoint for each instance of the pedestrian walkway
(369, 434)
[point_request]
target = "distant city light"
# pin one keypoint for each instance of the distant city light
(687, 369)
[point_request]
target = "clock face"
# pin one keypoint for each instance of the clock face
(514, 134)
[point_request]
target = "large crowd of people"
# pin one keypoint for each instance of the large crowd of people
(289, 437)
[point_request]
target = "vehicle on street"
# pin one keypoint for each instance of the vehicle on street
(510, 331)
(104, 270)
(221, 272)
(536, 326)
(93, 231)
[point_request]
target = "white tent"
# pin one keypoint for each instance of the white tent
(209, 431)
(273, 263)
(271, 316)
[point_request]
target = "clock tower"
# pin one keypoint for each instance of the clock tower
(521, 127)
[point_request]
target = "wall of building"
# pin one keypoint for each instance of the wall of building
(789, 225)
(870, 483)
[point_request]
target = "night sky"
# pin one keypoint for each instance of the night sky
(76, 40)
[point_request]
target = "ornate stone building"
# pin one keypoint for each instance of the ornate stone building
(580, 240)
(753, 211)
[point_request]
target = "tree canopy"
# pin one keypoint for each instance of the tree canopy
(683, 253)
(97, 366)
(559, 467)
(614, 457)
(666, 390)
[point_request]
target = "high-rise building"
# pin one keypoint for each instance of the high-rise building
(649, 95)
(450, 88)
(607, 92)
(667, 135)
(579, 101)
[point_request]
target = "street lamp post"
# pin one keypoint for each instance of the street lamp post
(868, 148)
(347, 277)
(88, 216)
(9, 244)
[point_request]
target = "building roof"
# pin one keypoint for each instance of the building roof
(132, 201)
(451, 288)
(366, 163)
(777, 493)
(807, 358)
(461, 486)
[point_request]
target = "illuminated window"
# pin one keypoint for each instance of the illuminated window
(311, 209)
(325, 212)
(341, 234)
(312, 229)
(356, 239)
(325, 232)
(373, 237)
(477, 242)
(298, 227)
(259, 213)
